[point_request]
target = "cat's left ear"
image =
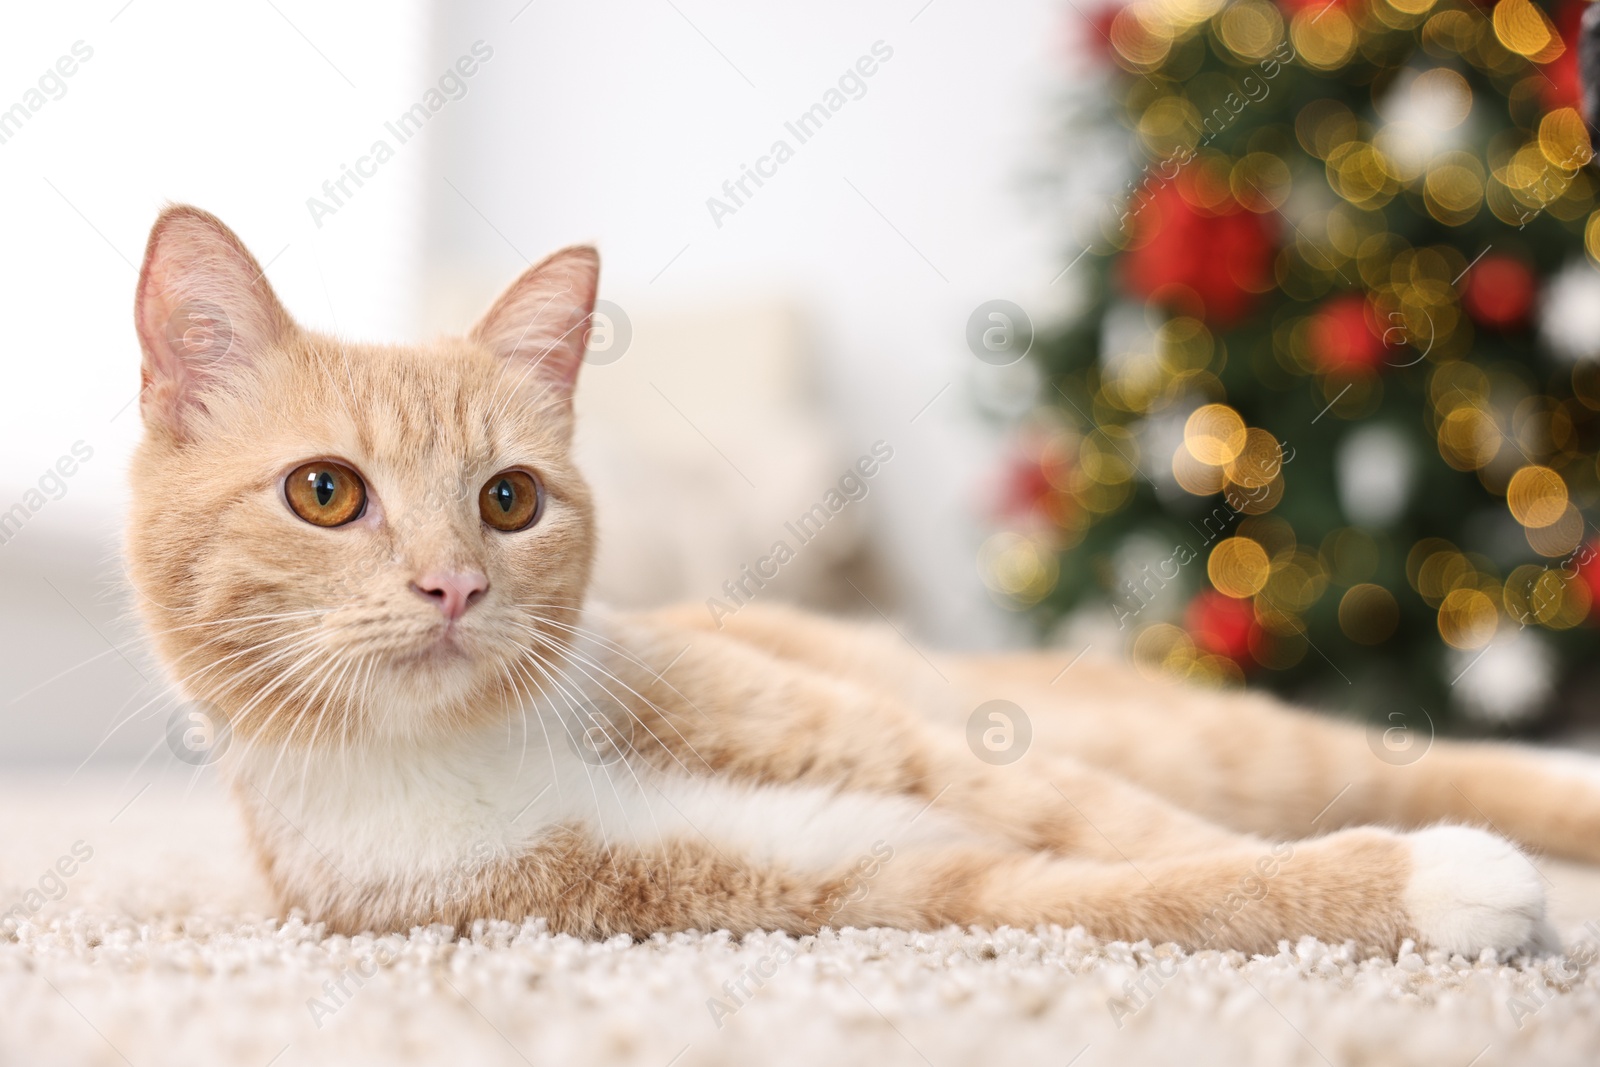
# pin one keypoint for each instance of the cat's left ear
(203, 309)
(542, 320)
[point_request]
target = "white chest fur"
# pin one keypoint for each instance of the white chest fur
(410, 812)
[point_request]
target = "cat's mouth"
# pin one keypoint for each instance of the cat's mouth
(445, 646)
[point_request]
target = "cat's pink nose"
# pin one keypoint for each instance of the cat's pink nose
(453, 591)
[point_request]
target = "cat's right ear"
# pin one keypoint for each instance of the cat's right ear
(203, 308)
(542, 321)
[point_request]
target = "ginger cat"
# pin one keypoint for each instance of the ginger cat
(372, 560)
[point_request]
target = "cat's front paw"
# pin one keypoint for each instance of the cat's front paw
(1470, 890)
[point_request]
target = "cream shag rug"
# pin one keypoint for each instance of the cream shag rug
(160, 949)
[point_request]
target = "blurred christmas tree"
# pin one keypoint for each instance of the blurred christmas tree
(1328, 420)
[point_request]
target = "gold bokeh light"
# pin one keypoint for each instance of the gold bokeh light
(1238, 567)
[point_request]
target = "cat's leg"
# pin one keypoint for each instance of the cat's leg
(1062, 806)
(1456, 889)
(1248, 761)
(872, 655)
(832, 725)
(799, 723)
(1234, 759)
(1461, 888)
(1546, 799)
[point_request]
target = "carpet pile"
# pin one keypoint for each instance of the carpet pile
(160, 947)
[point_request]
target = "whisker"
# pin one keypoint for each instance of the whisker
(622, 756)
(57, 677)
(588, 770)
(314, 700)
(219, 623)
(595, 635)
(555, 775)
(165, 690)
(573, 655)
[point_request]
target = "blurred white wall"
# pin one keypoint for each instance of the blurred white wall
(244, 109)
(610, 122)
(615, 122)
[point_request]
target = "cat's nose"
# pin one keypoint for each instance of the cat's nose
(453, 591)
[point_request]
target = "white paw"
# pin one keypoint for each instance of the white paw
(1471, 890)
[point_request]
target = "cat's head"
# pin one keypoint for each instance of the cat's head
(351, 539)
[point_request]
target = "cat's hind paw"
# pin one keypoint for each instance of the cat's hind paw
(1470, 890)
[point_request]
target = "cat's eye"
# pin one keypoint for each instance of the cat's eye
(511, 500)
(325, 493)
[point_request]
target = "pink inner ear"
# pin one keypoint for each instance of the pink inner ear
(194, 332)
(203, 306)
(543, 318)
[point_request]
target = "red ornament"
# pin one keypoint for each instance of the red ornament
(1499, 293)
(1091, 32)
(1344, 334)
(1029, 490)
(1181, 254)
(1588, 560)
(1221, 624)
(1024, 488)
(1560, 87)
